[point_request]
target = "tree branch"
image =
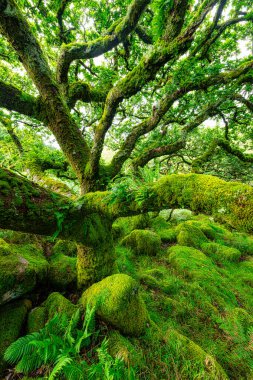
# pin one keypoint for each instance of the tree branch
(164, 105)
(84, 92)
(114, 36)
(13, 99)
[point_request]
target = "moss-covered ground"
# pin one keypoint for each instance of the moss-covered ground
(199, 294)
(196, 280)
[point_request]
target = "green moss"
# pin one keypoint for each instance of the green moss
(56, 303)
(143, 242)
(123, 226)
(121, 348)
(12, 317)
(124, 261)
(188, 352)
(22, 267)
(65, 247)
(168, 236)
(220, 252)
(36, 319)
(118, 302)
(62, 272)
(189, 235)
(96, 259)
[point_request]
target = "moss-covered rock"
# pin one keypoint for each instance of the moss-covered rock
(65, 247)
(118, 302)
(22, 267)
(143, 242)
(62, 272)
(168, 235)
(123, 226)
(57, 303)
(12, 317)
(120, 347)
(221, 252)
(191, 262)
(190, 352)
(36, 319)
(189, 235)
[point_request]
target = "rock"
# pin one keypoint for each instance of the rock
(221, 252)
(143, 242)
(65, 247)
(22, 267)
(36, 320)
(189, 235)
(55, 303)
(62, 272)
(12, 317)
(178, 215)
(118, 302)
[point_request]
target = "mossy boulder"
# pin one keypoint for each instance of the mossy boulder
(118, 302)
(62, 272)
(189, 235)
(199, 360)
(123, 226)
(191, 262)
(65, 247)
(143, 242)
(221, 252)
(12, 318)
(168, 235)
(37, 319)
(120, 347)
(22, 268)
(55, 303)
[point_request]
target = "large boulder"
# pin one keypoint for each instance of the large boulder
(12, 318)
(117, 301)
(143, 242)
(22, 267)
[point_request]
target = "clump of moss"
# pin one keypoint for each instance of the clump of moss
(189, 235)
(190, 353)
(120, 347)
(36, 319)
(57, 303)
(123, 226)
(65, 247)
(62, 272)
(22, 267)
(124, 261)
(118, 302)
(12, 317)
(221, 252)
(143, 242)
(168, 235)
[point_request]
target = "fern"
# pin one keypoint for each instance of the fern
(62, 362)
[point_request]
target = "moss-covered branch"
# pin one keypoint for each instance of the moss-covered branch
(16, 30)
(16, 100)
(9, 128)
(229, 202)
(164, 105)
(86, 93)
(115, 35)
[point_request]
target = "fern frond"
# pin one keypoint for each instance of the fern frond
(20, 347)
(62, 362)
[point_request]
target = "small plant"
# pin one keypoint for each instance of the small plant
(59, 349)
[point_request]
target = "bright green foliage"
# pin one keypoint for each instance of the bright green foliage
(123, 226)
(62, 272)
(143, 242)
(22, 267)
(58, 348)
(12, 317)
(118, 302)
